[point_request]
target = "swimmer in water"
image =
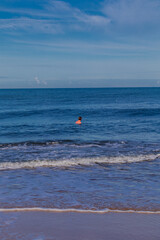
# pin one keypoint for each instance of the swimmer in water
(79, 120)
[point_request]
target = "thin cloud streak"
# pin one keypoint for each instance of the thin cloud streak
(32, 25)
(101, 48)
(56, 17)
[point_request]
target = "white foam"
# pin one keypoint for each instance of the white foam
(77, 161)
(57, 210)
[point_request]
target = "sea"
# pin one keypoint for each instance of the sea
(111, 162)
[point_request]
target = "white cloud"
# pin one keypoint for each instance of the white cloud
(37, 80)
(29, 24)
(132, 12)
(115, 18)
(65, 10)
(40, 82)
(55, 17)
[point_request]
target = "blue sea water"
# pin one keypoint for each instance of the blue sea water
(111, 160)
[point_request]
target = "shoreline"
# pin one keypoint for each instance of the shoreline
(77, 226)
(74, 210)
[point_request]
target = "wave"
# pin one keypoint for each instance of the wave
(28, 143)
(60, 142)
(77, 162)
(57, 210)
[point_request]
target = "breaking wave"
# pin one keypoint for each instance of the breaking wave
(77, 162)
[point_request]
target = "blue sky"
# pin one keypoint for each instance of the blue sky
(87, 43)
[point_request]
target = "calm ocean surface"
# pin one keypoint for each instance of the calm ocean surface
(111, 161)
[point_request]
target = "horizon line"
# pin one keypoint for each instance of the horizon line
(23, 88)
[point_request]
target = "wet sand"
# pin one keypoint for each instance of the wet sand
(78, 226)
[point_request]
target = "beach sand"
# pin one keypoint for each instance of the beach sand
(37, 225)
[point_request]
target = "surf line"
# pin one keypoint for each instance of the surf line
(86, 161)
(57, 210)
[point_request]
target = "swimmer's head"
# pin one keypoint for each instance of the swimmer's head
(80, 118)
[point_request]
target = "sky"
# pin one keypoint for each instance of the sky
(86, 43)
